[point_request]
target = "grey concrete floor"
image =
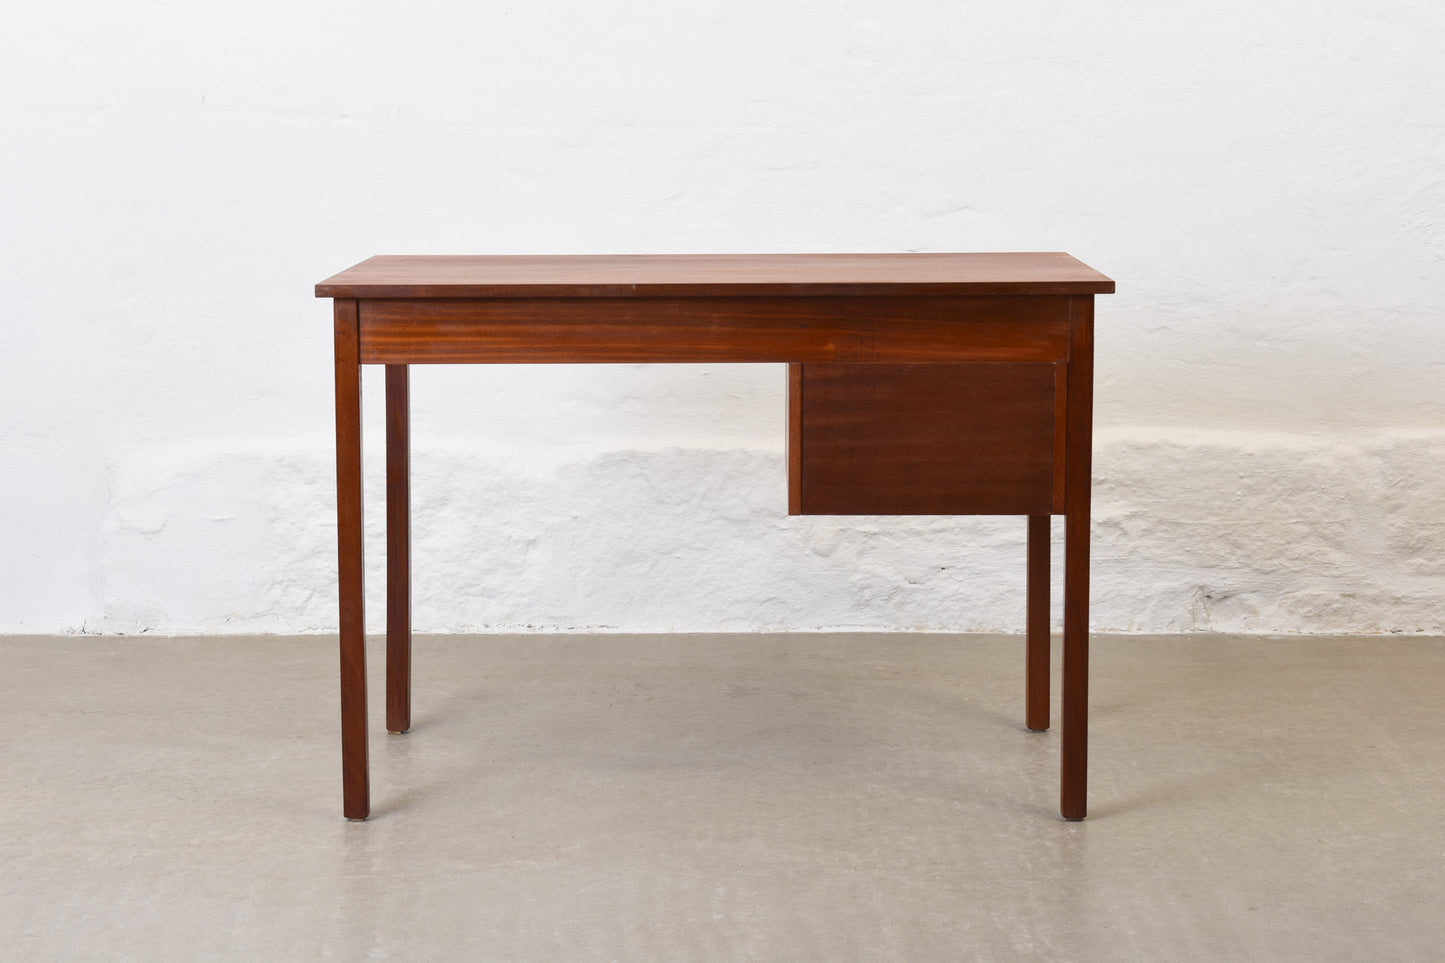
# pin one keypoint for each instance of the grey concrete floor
(801, 797)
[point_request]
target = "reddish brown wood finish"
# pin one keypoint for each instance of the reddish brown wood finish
(398, 549)
(1036, 658)
(794, 439)
(757, 329)
(927, 439)
(1075, 708)
(355, 780)
(1017, 328)
(1061, 433)
(712, 275)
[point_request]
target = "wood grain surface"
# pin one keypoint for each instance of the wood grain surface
(927, 439)
(687, 275)
(759, 329)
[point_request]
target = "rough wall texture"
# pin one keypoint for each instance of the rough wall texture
(1236, 533)
(1262, 179)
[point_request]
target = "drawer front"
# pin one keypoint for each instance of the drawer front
(926, 439)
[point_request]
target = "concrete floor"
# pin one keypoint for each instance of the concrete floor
(804, 797)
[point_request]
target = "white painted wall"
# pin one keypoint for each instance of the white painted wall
(1263, 180)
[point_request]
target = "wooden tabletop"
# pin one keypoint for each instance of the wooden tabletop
(711, 275)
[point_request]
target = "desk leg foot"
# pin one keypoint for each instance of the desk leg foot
(1036, 662)
(398, 549)
(355, 777)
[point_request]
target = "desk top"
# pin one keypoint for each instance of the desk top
(712, 275)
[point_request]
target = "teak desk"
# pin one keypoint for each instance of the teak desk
(941, 384)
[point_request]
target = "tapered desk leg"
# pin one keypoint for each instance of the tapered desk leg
(1078, 465)
(1036, 660)
(355, 782)
(398, 550)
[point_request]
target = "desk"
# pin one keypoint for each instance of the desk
(954, 384)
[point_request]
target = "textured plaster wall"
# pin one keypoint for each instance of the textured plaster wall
(1263, 180)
